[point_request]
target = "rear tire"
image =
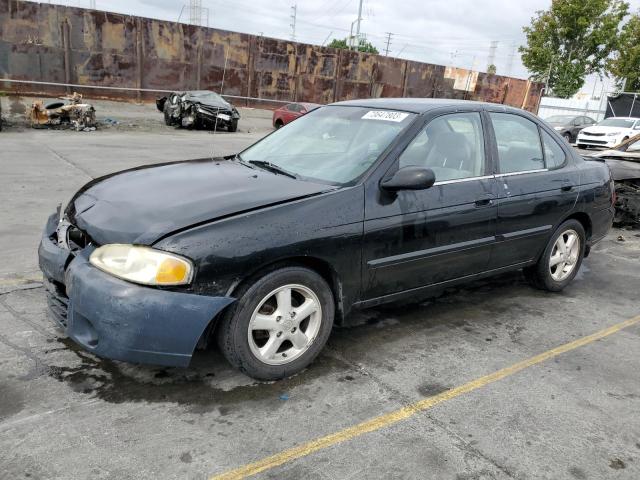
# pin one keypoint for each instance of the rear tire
(561, 259)
(279, 325)
(279, 124)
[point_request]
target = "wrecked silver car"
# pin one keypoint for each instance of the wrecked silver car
(198, 109)
(624, 163)
(69, 112)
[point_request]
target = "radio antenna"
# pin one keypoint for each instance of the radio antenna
(215, 126)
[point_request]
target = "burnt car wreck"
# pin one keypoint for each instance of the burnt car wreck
(624, 163)
(69, 112)
(198, 109)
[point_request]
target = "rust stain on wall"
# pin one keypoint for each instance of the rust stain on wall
(108, 49)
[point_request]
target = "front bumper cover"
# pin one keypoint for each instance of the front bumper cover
(119, 320)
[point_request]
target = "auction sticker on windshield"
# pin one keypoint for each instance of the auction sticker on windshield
(387, 115)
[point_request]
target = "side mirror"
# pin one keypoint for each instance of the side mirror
(409, 178)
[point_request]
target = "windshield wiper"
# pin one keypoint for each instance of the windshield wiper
(272, 167)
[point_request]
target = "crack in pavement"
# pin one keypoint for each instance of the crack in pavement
(74, 165)
(21, 317)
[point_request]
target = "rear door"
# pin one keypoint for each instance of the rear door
(537, 186)
(418, 238)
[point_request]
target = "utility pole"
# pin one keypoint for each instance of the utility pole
(386, 50)
(92, 4)
(294, 13)
(492, 54)
(358, 24)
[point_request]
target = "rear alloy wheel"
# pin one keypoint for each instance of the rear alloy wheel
(279, 324)
(560, 260)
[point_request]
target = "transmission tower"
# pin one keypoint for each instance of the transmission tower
(294, 13)
(510, 58)
(492, 54)
(195, 12)
(386, 50)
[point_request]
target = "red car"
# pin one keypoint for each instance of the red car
(290, 112)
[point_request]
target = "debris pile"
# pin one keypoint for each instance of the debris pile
(71, 112)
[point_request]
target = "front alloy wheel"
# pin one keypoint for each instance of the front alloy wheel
(279, 323)
(284, 324)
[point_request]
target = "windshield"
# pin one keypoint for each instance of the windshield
(560, 119)
(206, 97)
(617, 122)
(333, 144)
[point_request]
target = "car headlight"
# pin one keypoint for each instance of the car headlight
(144, 265)
(557, 128)
(613, 134)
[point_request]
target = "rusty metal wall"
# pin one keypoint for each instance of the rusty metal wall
(61, 44)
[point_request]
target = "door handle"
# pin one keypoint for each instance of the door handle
(484, 202)
(566, 186)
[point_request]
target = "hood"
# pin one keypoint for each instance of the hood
(598, 129)
(208, 99)
(145, 204)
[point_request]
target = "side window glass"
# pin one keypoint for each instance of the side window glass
(553, 153)
(519, 148)
(451, 145)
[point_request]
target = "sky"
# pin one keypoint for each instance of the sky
(453, 32)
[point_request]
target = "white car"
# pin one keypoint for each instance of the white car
(609, 132)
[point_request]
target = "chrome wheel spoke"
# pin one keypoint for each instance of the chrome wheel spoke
(555, 259)
(299, 340)
(307, 308)
(264, 322)
(284, 300)
(271, 347)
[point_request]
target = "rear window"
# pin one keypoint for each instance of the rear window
(518, 140)
(553, 153)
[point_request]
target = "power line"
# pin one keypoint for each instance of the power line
(386, 50)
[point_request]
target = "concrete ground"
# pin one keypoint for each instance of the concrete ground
(65, 414)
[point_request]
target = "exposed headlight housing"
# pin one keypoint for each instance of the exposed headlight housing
(144, 265)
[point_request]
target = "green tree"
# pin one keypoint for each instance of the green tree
(363, 45)
(625, 64)
(571, 40)
(491, 69)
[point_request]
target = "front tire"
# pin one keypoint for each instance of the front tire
(567, 137)
(561, 259)
(279, 325)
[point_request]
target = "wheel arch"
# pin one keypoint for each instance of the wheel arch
(318, 265)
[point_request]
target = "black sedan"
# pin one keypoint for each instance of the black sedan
(198, 109)
(354, 204)
(570, 125)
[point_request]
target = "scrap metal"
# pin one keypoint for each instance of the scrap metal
(70, 112)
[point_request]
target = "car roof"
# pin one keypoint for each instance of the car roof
(415, 105)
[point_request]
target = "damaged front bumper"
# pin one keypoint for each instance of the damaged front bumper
(119, 320)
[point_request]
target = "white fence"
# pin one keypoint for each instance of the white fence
(559, 106)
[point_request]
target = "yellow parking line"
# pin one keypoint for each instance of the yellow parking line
(393, 417)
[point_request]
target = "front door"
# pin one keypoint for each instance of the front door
(418, 238)
(537, 187)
